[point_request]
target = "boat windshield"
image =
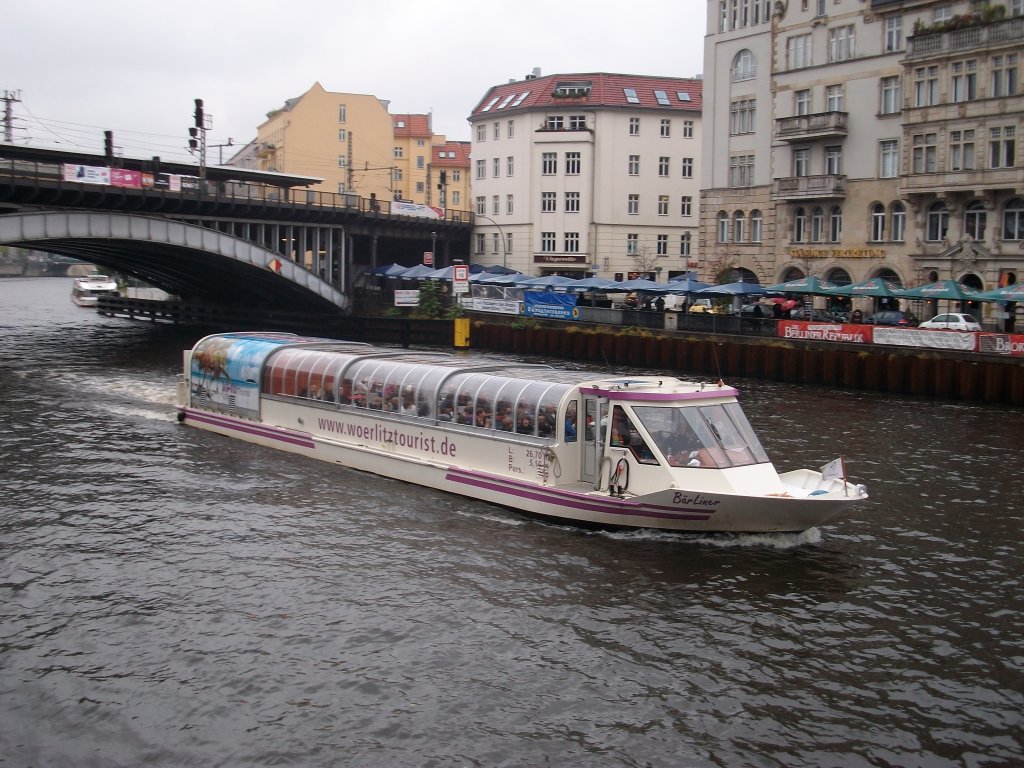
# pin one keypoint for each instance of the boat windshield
(715, 436)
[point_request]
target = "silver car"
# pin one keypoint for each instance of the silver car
(952, 321)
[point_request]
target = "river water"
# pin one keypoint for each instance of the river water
(173, 597)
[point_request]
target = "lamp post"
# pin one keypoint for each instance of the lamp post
(433, 249)
(504, 241)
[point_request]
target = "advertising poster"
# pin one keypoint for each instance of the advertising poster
(554, 306)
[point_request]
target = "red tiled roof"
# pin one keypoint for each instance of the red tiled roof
(606, 90)
(417, 126)
(440, 154)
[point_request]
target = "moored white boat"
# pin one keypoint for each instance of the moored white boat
(85, 291)
(612, 451)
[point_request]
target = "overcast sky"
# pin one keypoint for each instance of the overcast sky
(136, 66)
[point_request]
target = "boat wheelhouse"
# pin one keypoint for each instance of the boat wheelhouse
(612, 451)
(85, 291)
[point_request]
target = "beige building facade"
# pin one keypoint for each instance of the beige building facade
(851, 139)
(587, 173)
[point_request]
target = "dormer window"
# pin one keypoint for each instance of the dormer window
(572, 90)
(631, 96)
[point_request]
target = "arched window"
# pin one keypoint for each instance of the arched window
(835, 224)
(1013, 219)
(817, 224)
(756, 226)
(897, 223)
(799, 225)
(793, 273)
(744, 65)
(938, 222)
(890, 277)
(738, 222)
(877, 222)
(723, 227)
(975, 219)
(838, 276)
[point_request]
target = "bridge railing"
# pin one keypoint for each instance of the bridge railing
(208, 190)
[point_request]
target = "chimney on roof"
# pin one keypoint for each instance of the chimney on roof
(534, 74)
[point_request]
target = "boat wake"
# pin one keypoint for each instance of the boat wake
(723, 540)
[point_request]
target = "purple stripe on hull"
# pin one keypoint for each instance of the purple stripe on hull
(250, 428)
(569, 500)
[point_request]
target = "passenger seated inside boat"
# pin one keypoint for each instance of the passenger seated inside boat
(625, 435)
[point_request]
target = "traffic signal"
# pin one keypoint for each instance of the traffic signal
(108, 143)
(193, 143)
(444, 177)
(199, 113)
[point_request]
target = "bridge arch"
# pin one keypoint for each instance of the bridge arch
(184, 259)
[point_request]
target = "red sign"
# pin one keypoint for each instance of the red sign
(428, 258)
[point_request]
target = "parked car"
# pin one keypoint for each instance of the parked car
(952, 321)
(892, 317)
(814, 315)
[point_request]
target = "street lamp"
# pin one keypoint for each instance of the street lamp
(504, 241)
(433, 249)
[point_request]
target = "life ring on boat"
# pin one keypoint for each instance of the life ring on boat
(620, 477)
(181, 416)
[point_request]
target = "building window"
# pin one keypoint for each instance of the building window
(508, 242)
(511, 129)
(481, 169)
(481, 205)
(835, 224)
(1013, 219)
(634, 126)
(893, 33)
(975, 219)
(397, 174)
(456, 197)
(577, 122)
(497, 167)
(741, 171)
(554, 122)
(942, 13)
(756, 226)
(798, 51)
(572, 202)
(572, 163)
(744, 66)
(480, 242)
(497, 131)
(456, 175)
(666, 128)
(420, 163)
(961, 150)
(572, 242)
(495, 205)
(877, 223)
(834, 161)
(342, 114)
(1002, 146)
(633, 204)
(741, 117)
(686, 205)
(938, 222)
(685, 244)
(663, 166)
(926, 86)
(481, 132)
(662, 245)
(509, 204)
(663, 205)
(739, 227)
(802, 102)
(890, 95)
(548, 202)
(1004, 75)
(548, 163)
(399, 153)
(889, 159)
(965, 80)
(924, 153)
(799, 225)
(840, 43)
(898, 226)
(510, 165)
(634, 165)
(342, 161)
(817, 224)
(834, 98)
(687, 129)
(419, 187)
(801, 161)
(547, 242)
(631, 244)
(687, 167)
(342, 134)
(723, 227)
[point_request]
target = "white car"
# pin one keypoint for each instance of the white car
(952, 321)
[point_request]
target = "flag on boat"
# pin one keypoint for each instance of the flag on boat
(834, 470)
(275, 265)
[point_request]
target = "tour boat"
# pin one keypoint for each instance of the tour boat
(85, 291)
(575, 447)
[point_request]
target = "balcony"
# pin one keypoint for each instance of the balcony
(821, 125)
(810, 188)
(966, 37)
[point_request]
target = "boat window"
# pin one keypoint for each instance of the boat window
(280, 379)
(471, 408)
(360, 382)
(505, 404)
(318, 389)
(528, 408)
(624, 434)
(446, 397)
(485, 401)
(716, 436)
(571, 411)
(547, 412)
(304, 364)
